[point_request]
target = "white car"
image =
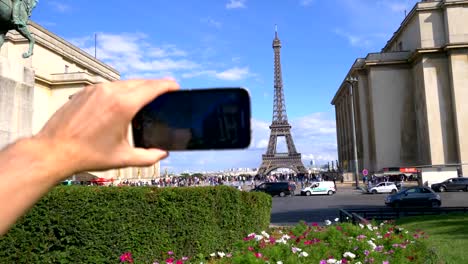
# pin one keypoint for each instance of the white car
(325, 187)
(384, 187)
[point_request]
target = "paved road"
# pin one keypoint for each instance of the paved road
(290, 210)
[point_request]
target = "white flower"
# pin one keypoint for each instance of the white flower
(372, 244)
(251, 234)
(349, 255)
(406, 232)
(369, 226)
(281, 241)
(279, 262)
(337, 219)
(328, 222)
(295, 249)
(375, 228)
(331, 261)
(212, 254)
(381, 224)
(361, 225)
(373, 239)
(258, 237)
(286, 237)
(359, 262)
(221, 254)
(265, 234)
(303, 254)
(379, 237)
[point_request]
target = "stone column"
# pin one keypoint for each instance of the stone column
(459, 84)
(16, 100)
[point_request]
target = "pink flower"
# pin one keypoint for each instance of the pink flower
(366, 252)
(323, 261)
(385, 262)
(248, 238)
(258, 255)
(184, 258)
(169, 260)
(170, 253)
(250, 248)
(126, 257)
(179, 262)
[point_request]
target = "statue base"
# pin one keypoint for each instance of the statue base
(16, 100)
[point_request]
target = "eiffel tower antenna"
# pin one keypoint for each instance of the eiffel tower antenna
(280, 126)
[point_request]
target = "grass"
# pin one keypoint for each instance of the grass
(448, 234)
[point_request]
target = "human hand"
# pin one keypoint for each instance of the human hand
(90, 132)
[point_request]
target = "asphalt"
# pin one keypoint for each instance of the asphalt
(291, 210)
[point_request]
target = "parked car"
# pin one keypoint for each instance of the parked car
(325, 187)
(276, 188)
(452, 184)
(384, 187)
(414, 197)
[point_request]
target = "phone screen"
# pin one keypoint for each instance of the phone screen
(195, 120)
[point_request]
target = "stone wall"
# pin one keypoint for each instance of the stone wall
(16, 100)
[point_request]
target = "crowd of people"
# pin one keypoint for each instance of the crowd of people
(238, 181)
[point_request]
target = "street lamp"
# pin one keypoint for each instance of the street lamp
(352, 81)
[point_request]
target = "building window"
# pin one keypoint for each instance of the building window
(400, 46)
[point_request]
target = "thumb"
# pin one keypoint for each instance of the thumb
(146, 157)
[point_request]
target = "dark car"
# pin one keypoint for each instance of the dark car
(414, 197)
(453, 184)
(276, 188)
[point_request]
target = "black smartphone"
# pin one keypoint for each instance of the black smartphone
(198, 119)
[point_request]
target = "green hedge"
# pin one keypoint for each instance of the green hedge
(75, 224)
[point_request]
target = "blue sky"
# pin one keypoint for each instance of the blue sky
(216, 43)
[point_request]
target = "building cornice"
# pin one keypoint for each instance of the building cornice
(422, 7)
(67, 50)
(55, 80)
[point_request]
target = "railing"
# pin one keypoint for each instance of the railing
(363, 215)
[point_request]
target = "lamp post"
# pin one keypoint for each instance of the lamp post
(353, 80)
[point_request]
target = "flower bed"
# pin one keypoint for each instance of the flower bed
(336, 243)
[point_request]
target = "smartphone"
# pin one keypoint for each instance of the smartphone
(198, 119)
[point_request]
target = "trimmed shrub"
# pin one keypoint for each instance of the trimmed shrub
(75, 224)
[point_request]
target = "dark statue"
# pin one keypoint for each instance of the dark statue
(14, 14)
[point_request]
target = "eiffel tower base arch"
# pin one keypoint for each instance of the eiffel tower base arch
(273, 162)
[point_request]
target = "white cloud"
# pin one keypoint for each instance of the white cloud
(59, 6)
(135, 57)
(232, 74)
(234, 4)
(212, 22)
(354, 40)
(306, 2)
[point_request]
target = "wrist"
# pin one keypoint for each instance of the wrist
(44, 158)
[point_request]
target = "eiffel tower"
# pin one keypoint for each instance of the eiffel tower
(280, 127)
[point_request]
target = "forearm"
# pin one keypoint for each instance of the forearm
(28, 169)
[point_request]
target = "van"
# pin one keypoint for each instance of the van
(276, 188)
(315, 188)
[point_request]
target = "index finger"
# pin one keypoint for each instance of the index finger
(144, 91)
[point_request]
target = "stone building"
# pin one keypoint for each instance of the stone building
(411, 99)
(32, 89)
